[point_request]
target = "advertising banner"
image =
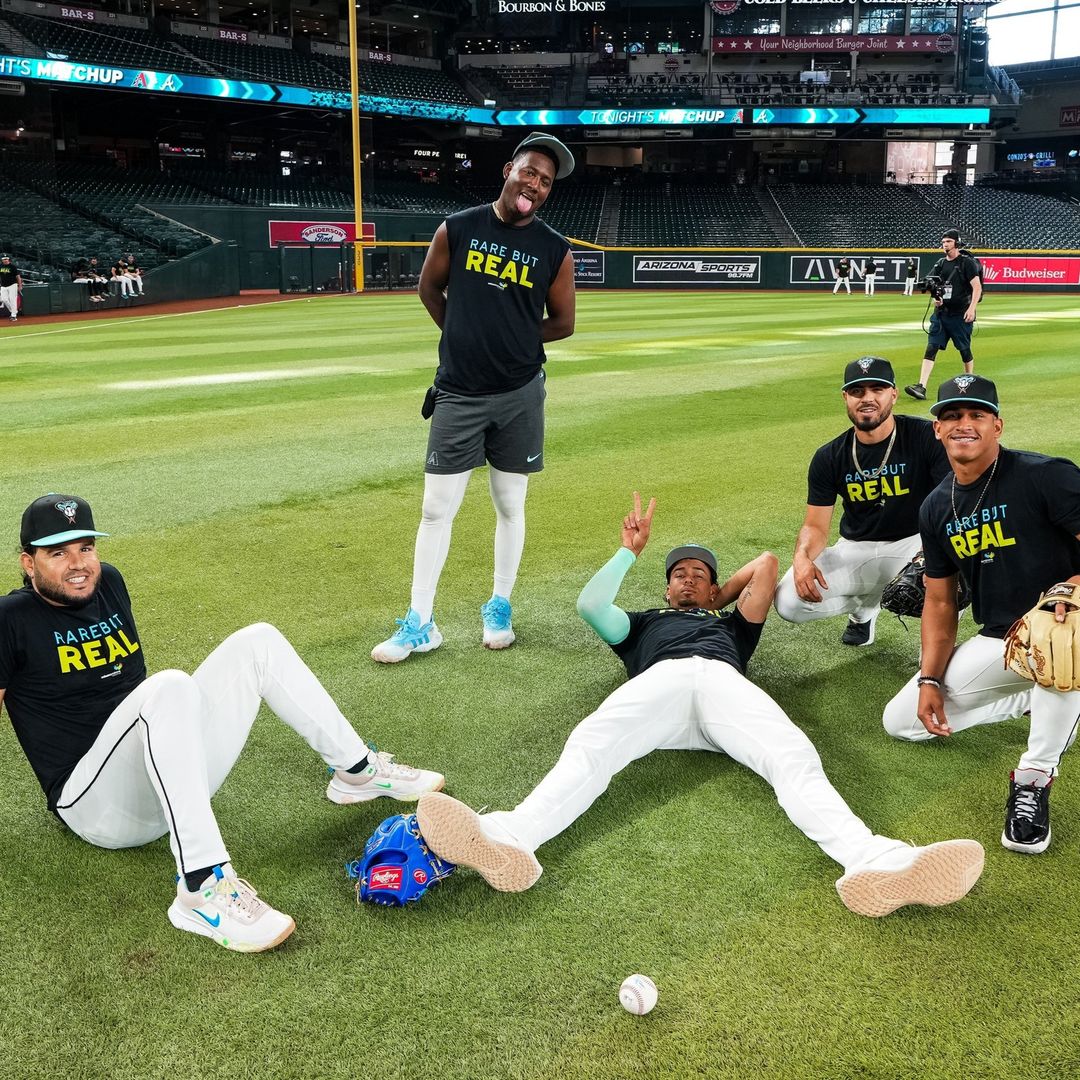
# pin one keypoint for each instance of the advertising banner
(697, 270)
(891, 269)
(589, 267)
(835, 43)
(323, 233)
(1007, 271)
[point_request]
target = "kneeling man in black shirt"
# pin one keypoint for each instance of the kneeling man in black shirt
(688, 691)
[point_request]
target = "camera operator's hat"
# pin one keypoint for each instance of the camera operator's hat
(56, 519)
(966, 390)
(951, 234)
(869, 369)
(548, 144)
(690, 551)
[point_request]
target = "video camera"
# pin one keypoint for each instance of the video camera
(934, 284)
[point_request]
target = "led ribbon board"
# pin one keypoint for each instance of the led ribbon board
(165, 82)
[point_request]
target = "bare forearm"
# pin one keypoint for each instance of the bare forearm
(939, 620)
(810, 542)
(555, 328)
(435, 301)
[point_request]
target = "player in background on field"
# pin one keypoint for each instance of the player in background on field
(843, 275)
(687, 690)
(881, 468)
(1009, 522)
(124, 759)
(489, 276)
(869, 276)
(11, 284)
(911, 271)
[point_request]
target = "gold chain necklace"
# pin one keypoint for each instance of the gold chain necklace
(956, 516)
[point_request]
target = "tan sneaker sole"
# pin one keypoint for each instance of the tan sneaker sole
(453, 832)
(939, 874)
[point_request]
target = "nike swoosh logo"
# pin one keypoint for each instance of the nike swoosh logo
(215, 921)
(384, 785)
(534, 457)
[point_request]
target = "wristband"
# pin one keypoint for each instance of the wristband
(928, 680)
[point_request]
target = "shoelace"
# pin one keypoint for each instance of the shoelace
(240, 896)
(408, 633)
(1026, 803)
(387, 766)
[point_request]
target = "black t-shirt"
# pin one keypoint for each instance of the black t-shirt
(495, 297)
(957, 274)
(64, 670)
(871, 268)
(912, 268)
(1021, 540)
(9, 275)
(885, 507)
(843, 268)
(674, 633)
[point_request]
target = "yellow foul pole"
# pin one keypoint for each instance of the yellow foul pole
(358, 206)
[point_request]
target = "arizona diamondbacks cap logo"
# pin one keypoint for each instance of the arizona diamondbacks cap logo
(69, 509)
(865, 363)
(963, 382)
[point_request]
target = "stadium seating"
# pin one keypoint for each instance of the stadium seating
(411, 196)
(398, 80)
(262, 63)
(252, 187)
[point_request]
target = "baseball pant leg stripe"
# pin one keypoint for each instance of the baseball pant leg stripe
(1055, 715)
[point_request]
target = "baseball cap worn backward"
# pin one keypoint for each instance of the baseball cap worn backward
(549, 144)
(966, 390)
(56, 519)
(690, 551)
(869, 369)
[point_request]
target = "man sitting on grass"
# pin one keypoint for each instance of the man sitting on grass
(687, 691)
(124, 759)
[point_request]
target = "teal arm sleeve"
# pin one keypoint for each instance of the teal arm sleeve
(596, 604)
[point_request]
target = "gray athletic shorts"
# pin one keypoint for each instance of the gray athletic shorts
(506, 430)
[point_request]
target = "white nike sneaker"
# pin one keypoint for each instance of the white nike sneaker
(934, 875)
(456, 834)
(383, 777)
(229, 910)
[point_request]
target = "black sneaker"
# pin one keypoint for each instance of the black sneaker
(1027, 818)
(859, 633)
(916, 390)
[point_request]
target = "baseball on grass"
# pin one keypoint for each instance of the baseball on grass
(638, 994)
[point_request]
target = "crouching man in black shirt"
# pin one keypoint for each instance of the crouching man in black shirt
(1009, 522)
(688, 691)
(124, 759)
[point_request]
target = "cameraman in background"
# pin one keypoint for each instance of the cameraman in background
(955, 288)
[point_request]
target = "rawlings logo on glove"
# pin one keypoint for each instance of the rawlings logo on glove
(1046, 651)
(397, 866)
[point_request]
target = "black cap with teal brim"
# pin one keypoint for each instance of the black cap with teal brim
(966, 390)
(56, 519)
(869, 369)
(690, 551)
(548, 144)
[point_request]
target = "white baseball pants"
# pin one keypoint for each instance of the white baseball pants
(979, 689)
(124, 282)
(9, 297)
(842, 281)
(693, 704)
(868, 285)
(909, 286)
(857, 571)
(168, 746)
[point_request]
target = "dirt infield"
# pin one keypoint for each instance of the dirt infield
(171, 307)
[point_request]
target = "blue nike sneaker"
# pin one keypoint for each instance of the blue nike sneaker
(498, 633)
(411, 636)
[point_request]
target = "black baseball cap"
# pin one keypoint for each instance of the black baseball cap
(551, 146)
(951, 234)
(966, 390)
(690, 551)
(875, 369)
(56, 519)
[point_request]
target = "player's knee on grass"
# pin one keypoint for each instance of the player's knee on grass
(900, 718)
(786, 601)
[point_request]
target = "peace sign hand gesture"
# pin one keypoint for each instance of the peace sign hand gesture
(636, 526)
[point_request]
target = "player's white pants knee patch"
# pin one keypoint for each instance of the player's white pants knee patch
(508, 491)
(693, 704)
(443, 493)
(857, 572)
(979, 689)
(168, 746)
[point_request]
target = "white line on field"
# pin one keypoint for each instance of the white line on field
(228, 377)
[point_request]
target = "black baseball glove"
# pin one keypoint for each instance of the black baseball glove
(904, 595)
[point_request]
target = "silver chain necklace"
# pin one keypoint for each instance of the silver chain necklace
(982, 495)
(873, 474)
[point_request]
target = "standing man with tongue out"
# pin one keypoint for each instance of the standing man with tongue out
(499, 283)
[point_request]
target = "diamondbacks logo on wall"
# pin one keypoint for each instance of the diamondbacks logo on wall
(963, 382)
(69, 510)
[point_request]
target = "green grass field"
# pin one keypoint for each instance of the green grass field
(288, 490)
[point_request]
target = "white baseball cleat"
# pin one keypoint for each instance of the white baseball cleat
(456, 834)
(933, 875)
(383, 777)
(229, 910)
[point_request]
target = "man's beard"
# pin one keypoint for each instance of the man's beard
(58, 596)
(870, 423)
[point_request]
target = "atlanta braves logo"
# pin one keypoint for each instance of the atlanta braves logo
(69, 509)
(963, 382)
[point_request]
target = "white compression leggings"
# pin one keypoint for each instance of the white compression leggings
(442, 498)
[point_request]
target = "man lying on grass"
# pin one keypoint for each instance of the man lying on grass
(123, 758)
(688, 691)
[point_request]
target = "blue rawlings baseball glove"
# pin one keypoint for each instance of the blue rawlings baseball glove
(397, 866)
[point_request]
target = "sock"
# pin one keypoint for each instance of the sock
(360, 766)
(193, 881)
